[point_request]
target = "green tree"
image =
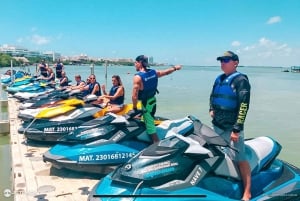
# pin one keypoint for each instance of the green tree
(5, 60)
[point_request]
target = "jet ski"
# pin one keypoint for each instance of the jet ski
(53, 123)
(24, 96)
(16, 87)
(33, 90)
(6, 77)
(27, 85)
(198, 167)
(102, 144)
(52, 109)
(44, 99)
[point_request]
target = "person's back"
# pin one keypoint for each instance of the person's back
(42, 68)
(59, 68)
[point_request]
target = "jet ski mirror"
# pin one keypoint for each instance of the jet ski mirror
(134, 113)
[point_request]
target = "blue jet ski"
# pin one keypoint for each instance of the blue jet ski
(102, 144)
(6, 78)
(198, 167)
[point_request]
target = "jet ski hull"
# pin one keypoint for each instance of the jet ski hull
(99, 160)
(282, 182)
(109, 145)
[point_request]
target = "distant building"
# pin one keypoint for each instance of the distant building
(151, 60)
(52, 55)
(17, 51)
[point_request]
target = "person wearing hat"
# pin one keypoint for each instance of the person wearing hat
(145, 83)
(229, 103)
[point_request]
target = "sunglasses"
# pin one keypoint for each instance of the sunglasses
(225, 60)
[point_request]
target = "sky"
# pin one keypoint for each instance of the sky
(187, 32)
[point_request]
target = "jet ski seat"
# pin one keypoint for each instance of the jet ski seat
(260, 152)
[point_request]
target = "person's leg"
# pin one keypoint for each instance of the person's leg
(244, 166)
(246, 177)
(114, 108)
(240, 157)
(149, 110)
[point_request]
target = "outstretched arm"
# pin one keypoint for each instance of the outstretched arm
(167, 71)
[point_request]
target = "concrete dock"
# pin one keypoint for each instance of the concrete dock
(35, 180)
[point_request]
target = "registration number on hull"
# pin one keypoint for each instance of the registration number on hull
(59, 129)
(105, 157)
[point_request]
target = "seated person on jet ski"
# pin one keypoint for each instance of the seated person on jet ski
(115, 99)
(42, 68)
(79, 83)
(50, 77)
(93, 87)
(63, 81)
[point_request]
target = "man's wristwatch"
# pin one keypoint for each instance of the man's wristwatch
(235, 130)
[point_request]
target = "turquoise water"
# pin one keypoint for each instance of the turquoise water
(274, 108)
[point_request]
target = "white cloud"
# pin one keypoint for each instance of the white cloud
(39, 40)
(235, 43)
(273, 20)
(249, 48)
(264, 42)
(267, 52)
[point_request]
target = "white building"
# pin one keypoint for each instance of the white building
(17, 51)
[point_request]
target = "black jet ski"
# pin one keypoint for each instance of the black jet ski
(51, 98)
(53, 123)
(100, 145)
(198, 167)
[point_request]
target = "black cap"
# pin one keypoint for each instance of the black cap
(229, 54)
(143, 59)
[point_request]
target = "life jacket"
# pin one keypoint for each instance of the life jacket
(150, 81)
(52, 78)
(223, 95)
(43, 69)
(64, 83)
(119, 100)
(78, 83)
(91, 88)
